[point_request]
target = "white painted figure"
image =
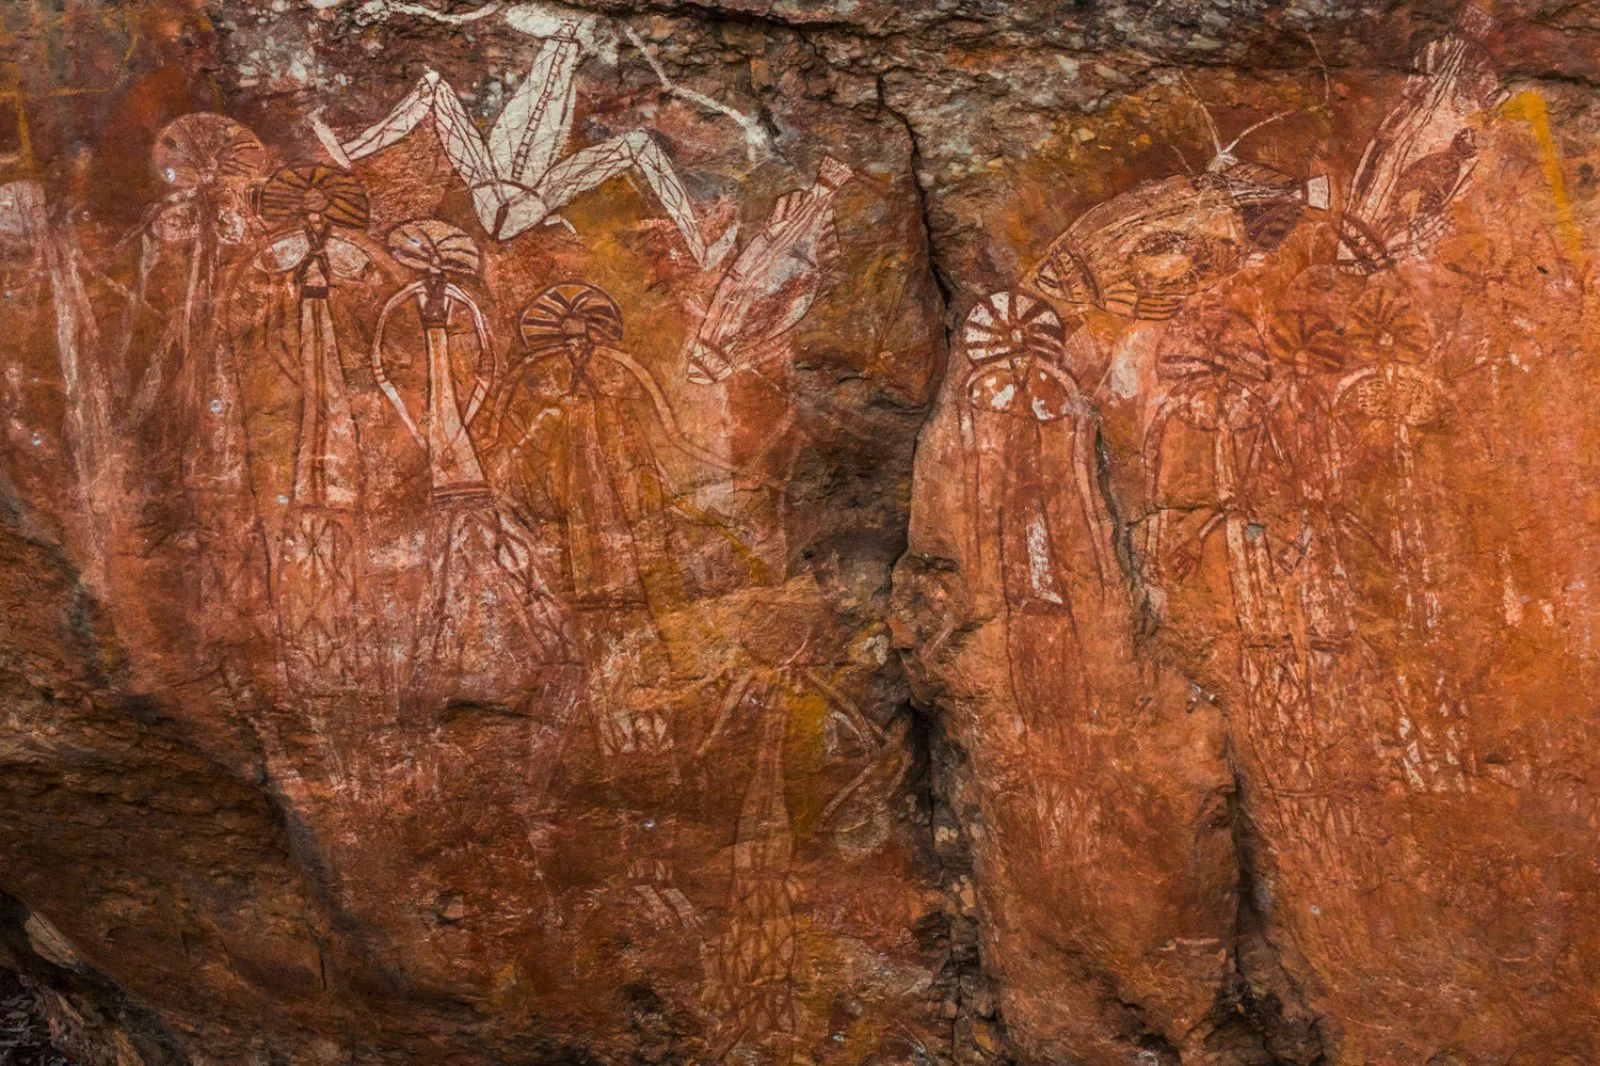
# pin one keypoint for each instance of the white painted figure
(519, 175)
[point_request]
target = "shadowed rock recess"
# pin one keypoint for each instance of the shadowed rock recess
(776, 532)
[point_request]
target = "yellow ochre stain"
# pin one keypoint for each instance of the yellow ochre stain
(1529, 106)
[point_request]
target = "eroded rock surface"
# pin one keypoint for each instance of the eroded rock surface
(471, 597)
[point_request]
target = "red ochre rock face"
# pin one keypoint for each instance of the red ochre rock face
(846, 533)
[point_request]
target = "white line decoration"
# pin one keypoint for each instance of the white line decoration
(27, 230)
(766, 291)
(189, 398)
(1424, 153)
(535, 20)
(318, 562)
(519, 175)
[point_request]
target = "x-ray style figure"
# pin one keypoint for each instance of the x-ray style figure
(316, 586)
(1029, 452)
(489, 620)
(187, 405)
(534, 17)
(744, 345)
(576, 450)
(517, 175)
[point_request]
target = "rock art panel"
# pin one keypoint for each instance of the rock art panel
(1208, 581)
(438, 473)
(469, 595)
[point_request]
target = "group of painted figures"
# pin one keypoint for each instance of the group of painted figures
(238, 432)
(303, 231)
(561, 422)
(1279, 368)
(547, 510)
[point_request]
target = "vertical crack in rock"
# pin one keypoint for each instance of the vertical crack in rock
(935, 267)
(1260, 1017)
(970, 1004)
(978, 1033)
(479, 433)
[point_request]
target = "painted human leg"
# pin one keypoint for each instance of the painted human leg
(463, 144)
(318, 562)
(531, 132)
(635, 151)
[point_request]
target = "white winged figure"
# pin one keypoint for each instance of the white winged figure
(517, 174)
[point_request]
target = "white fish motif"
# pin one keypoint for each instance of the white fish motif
(774, 281)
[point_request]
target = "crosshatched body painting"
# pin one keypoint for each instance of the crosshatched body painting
(801, 532)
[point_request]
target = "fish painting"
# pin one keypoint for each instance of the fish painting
(772, 284)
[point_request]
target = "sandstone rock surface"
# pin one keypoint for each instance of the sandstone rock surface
(799, 532)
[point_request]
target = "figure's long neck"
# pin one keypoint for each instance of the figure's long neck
(326, 471)
(455, 469)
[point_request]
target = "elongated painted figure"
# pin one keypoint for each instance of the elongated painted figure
(574, 441)
(489, 620)
(187, 405)
(317, 556)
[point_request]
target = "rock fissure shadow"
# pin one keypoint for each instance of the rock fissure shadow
(1260, 1017)
(73, 1015)
(970, 1000)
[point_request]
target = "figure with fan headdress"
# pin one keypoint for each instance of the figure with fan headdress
(575, 453)
(1393, 396)
(571, 437)
(206, 162)
(490, 621)
(1040, 536)
(317, 564)
(185, 398)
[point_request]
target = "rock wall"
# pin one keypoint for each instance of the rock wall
(1246, 547)
(799, 532)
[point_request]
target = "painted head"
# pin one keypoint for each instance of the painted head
(435, 248)
(575, 318)
(317, 198)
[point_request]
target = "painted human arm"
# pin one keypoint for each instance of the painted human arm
(669, 420)
(484, 374)
(378, 371)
